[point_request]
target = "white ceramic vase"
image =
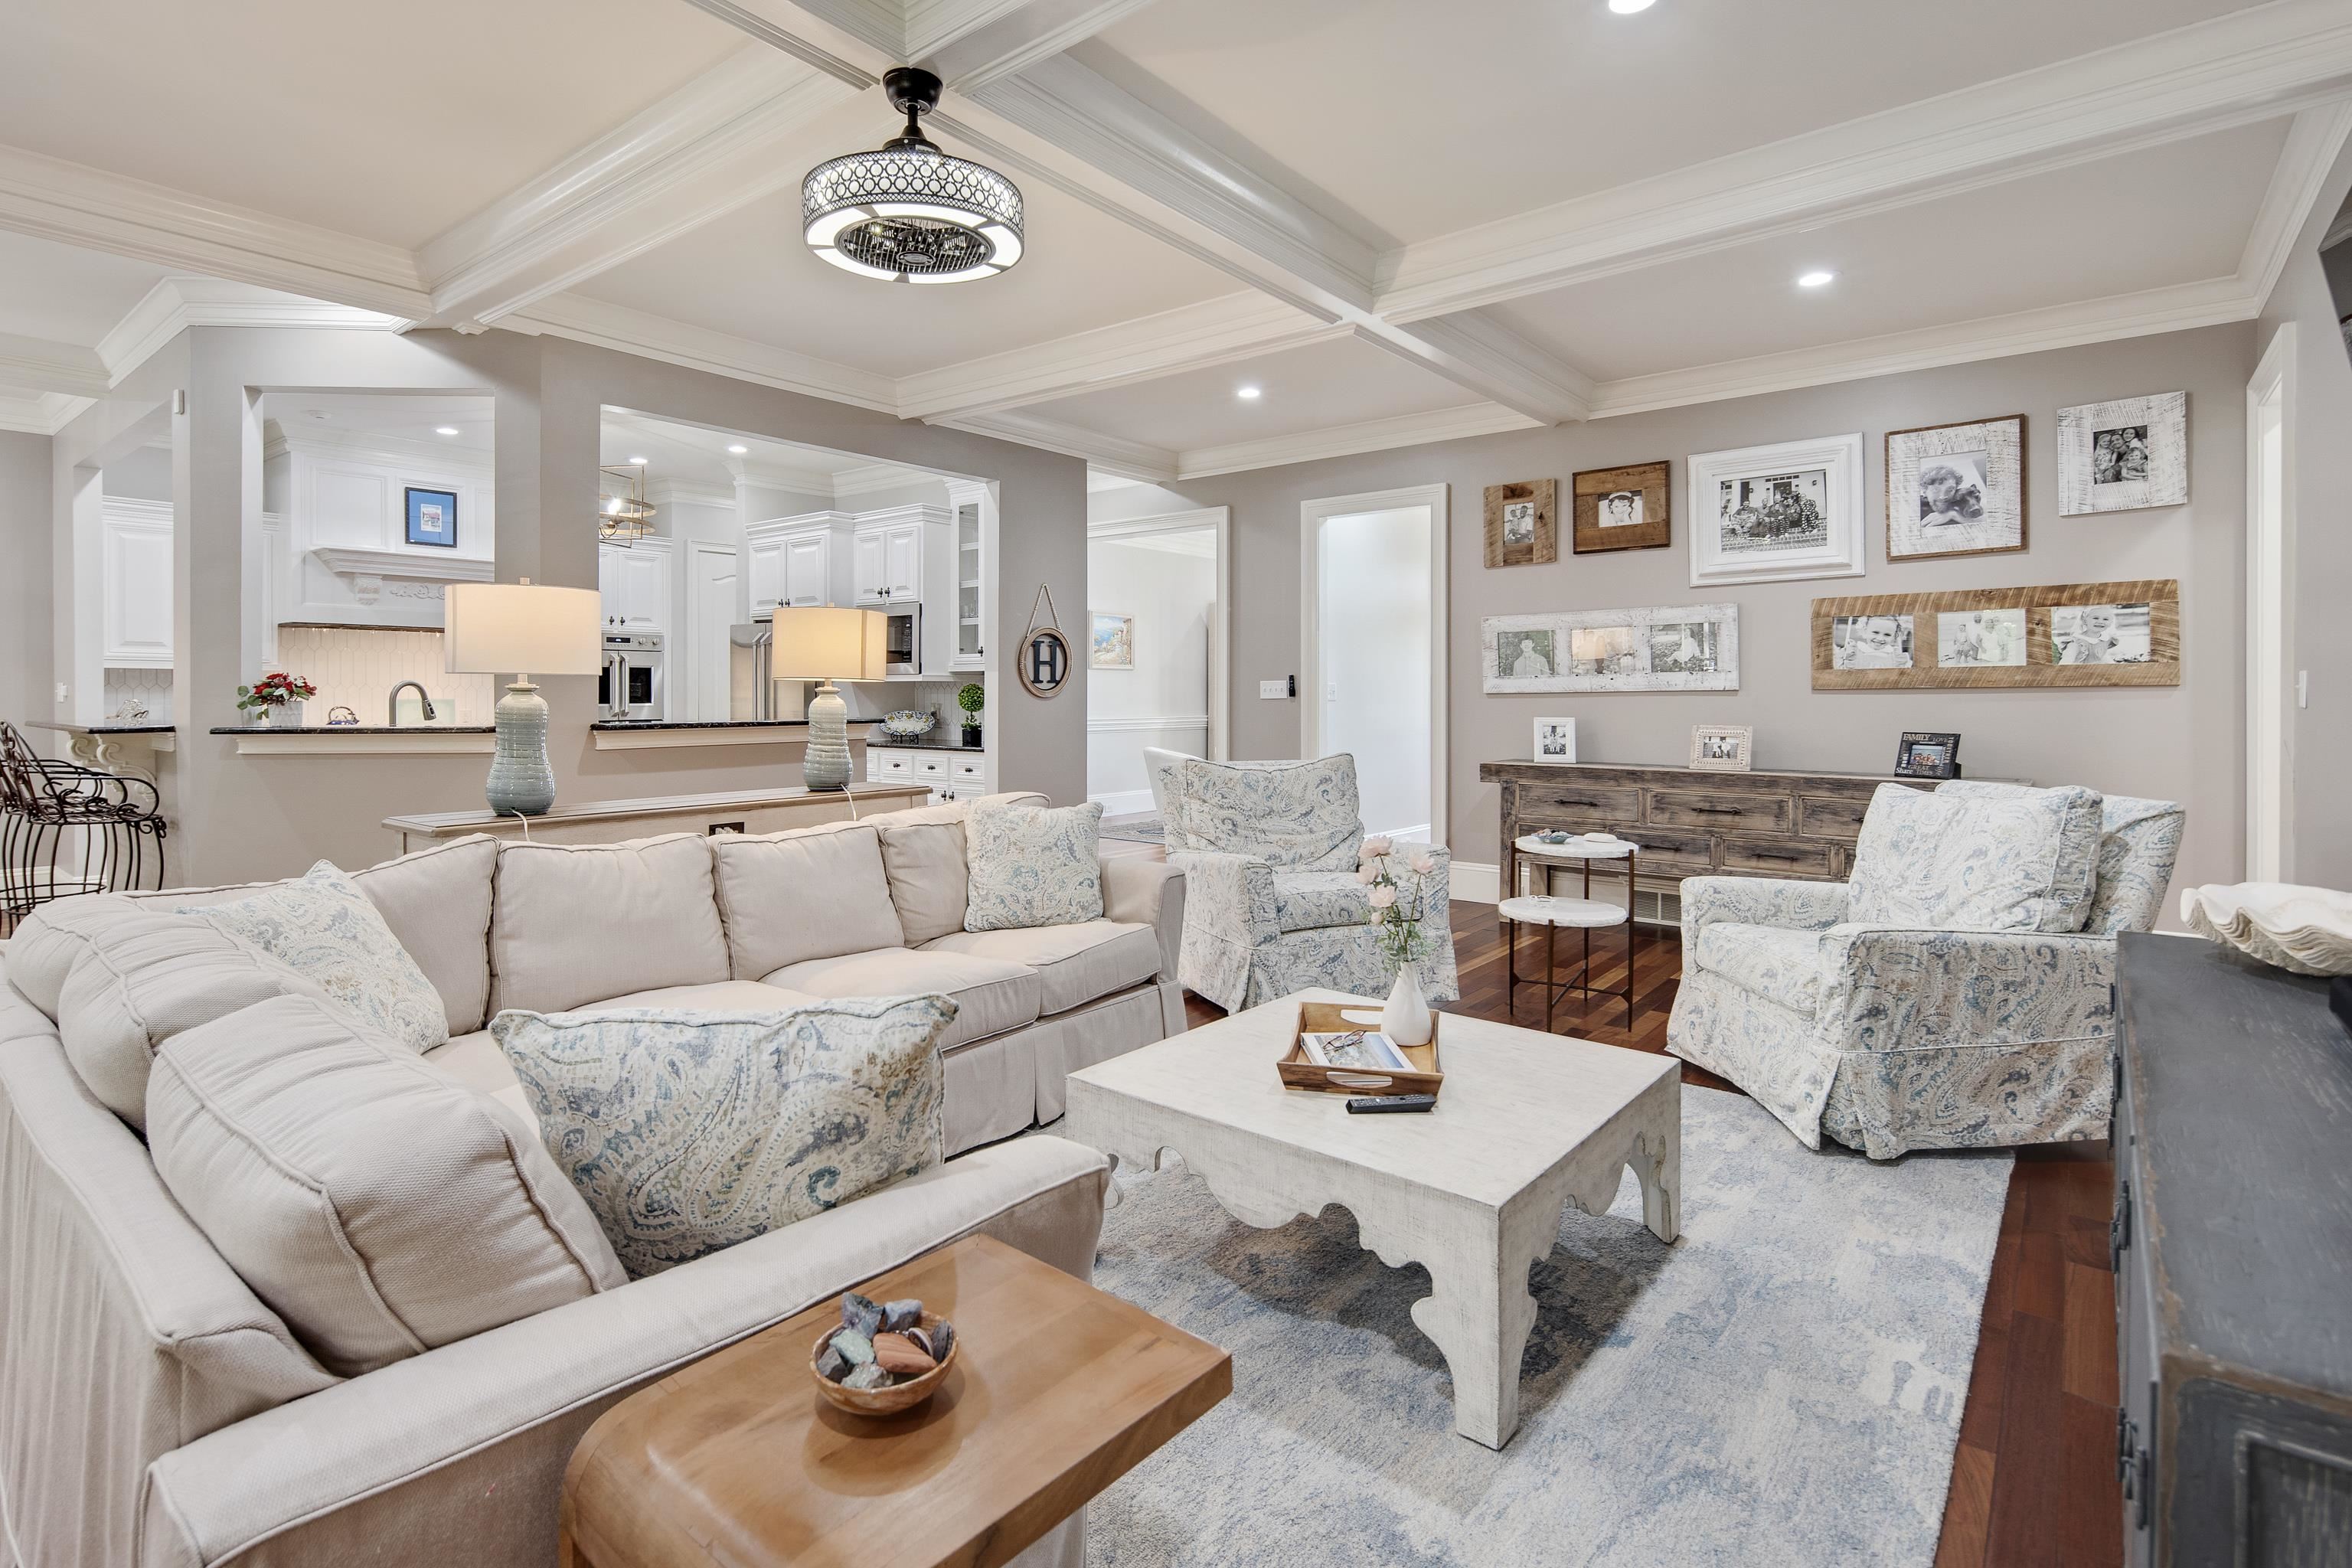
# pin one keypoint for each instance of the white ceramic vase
(1405, 1019)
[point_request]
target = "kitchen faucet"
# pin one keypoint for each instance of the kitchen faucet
(392, 703)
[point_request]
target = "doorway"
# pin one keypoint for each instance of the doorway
(1372, 656)
(1155, 650)
(710, 608)
(2270, 607)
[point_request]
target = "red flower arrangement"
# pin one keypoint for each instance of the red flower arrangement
(274, 689)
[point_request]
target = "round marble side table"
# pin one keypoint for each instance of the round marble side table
(1586, 914)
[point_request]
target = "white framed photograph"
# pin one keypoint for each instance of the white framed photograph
(2123, 456)
(1773, 514)
(1555, 740)
(1721, 748)
(1956, 490)
(1658, 648)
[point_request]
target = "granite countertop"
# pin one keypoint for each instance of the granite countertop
(700, 724)
(937, 741)
(354, 729)
(103, 727)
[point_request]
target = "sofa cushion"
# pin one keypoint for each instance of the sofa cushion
(725, 996)
(2139, 841)
(574, 924)
(437, 902)
(690, 1133)
(990, 995)
(1074, 963)
(1304, 816)
(1961, 862)
(1032, 866)
(42, 951)
(378, 1207)
(327, 930)
(925, 860)
(1775, 963)
(1314, 900)
(813, 892)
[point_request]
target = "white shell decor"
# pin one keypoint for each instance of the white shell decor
(2306, 931)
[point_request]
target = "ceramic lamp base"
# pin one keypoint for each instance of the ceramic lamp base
(826, 764)
(522, 784)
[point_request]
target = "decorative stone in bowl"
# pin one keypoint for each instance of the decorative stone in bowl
(885, 1358)
(910, 722)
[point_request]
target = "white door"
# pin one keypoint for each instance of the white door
(869, 567)
(1369, 684)
(805, 562)
(903, 561)
(703, 656)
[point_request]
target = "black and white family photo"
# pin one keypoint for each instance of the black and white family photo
(1520, 523)
(1871, 642)
(1979, 638)
(1951, 490)
(2119, 457)
(1773, 511)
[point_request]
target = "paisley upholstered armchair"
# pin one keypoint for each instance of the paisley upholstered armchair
(1271, 901)
(1954, 994)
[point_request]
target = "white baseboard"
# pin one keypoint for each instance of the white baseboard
(1124, 803)
(1470, 882)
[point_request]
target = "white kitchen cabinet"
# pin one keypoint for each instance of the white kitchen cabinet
(808, 559)
(800, 562)
(870, 569)
(768, 585)
(969, 584)
(953, 775)
(136, 556)
(902, 547)
(633, 581)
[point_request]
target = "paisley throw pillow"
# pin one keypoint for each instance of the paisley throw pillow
(1032, 866)
(323, 927)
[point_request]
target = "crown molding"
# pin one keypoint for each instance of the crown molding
(37, 364)
(617, 327)
(691, 492)
(137, 510)
(2255, 63)
(785, 477)
(2313, 143)
(40, 412)
(873, 478)
(1190, 337)
(76, 205)
(353, 562)
(176, 304)
(1129, 459)
(394, 451)
(1352, 440)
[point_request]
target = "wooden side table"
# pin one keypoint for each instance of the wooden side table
(1059, 1389)
(1586, 914)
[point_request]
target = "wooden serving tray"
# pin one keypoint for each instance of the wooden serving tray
(1330, 1017)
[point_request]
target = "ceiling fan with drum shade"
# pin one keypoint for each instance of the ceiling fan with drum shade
(907, 213)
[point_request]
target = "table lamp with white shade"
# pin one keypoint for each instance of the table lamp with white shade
(829, 645)
(504, 629)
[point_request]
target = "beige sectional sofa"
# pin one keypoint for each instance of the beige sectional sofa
(156, 1410)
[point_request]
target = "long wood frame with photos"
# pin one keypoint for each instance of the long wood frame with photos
(1542, 547)
(1653, 482)
(1540, 639)
(2000, 530)
(2162, 666)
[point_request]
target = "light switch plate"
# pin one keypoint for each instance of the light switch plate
(1273, 690)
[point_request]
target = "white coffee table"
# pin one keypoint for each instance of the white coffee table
(1473, 1190)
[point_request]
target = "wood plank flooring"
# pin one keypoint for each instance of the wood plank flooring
(2033, 1480)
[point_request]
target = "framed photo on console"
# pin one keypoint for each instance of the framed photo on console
(1956, 490)
(1927, 754)
(1521, 527)
(2124, 455)
(1769, 514)
(1555, 740)
(1623, 509)
(1721, 748)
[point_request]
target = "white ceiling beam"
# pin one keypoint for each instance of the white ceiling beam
(1127, 459)
(1472, 351)
(1352, 440)
(875, 24)
(40, 412)
(968, 44)
(2251, 65)
(2297, 182)
(631, 332)
(37, 364)
(76, 205)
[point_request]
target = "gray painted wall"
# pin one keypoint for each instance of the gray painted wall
(24, 578)
(2319, 844)
(247, 816)
(2184, 744)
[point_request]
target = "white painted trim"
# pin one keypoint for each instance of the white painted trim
(1473, 882)
(40, 412)
(1124, 803)
(971, 43)
(1141, 726)
(1221, 609)
(631, 332)
(1348, 440)
(2313, 143)
(39, 364)
(175, 304)
(405, 563)
(2270, 620)
(437, 457)
(1311, 517)
(1129, 459)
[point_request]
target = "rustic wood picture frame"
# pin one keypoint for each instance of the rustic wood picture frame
(2001, 440)
(1654, 482)
(1542, 547)
(2040, 669)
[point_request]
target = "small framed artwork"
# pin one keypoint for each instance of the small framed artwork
(1722, 747)
(1770, 514)
(1555, 740)
(1110, 642)
(432, 517)
(1956, 490)
(1521, 529)
(1927, 754)
(2123, 456)
(1622, 508)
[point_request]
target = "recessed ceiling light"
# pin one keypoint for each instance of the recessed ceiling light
(739, 448)
(637, 462)
(1814, 280)
(1627, 8)
(1249, 394)
(445, 430)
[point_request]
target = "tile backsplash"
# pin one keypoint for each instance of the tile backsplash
(129, 690)
(356, 668)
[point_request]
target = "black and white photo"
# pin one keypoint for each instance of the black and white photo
(2119, 457)
(1773, 512)
(1526, 656)
(1520, 523)
(1555, 740)
(1777, 513)
(1687, 646)
(1602, 650)
(2124, 455)
(1956, 490)
(1870, 642)
(1981, 639)
(1622, 508)
(2100, 633)
(1721, 748)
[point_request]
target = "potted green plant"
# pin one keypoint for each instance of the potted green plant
(275, 694)
(971, 700)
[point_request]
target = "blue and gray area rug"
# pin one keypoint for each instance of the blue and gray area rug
(1783, 1386)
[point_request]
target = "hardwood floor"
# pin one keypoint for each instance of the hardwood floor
(2033, 1479)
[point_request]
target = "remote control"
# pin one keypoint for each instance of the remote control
(1372, 1104)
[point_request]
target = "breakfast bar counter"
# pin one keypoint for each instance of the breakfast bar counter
(610, 821)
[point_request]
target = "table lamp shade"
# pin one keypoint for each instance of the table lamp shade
(818, 644)
(506, 628)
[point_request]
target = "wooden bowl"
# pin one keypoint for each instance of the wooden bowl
(890, 1401)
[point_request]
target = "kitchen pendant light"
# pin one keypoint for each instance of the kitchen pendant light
(910, 213)
(624, 515)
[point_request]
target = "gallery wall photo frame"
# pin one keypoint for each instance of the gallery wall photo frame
(1722, 747)
(1956, 490)
(1522, 523)
(432, 516)
(1626, 508)
(1554, 741)
(1656, 647)
(2065, 635)
(2124, 455)
(1777, 513)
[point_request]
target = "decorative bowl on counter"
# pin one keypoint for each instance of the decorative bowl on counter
(910, 722)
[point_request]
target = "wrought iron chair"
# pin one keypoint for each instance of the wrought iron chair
(47, 806)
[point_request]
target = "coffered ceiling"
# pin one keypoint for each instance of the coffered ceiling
(1397, 222)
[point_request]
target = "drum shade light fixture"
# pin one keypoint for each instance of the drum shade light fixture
(908, 213)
